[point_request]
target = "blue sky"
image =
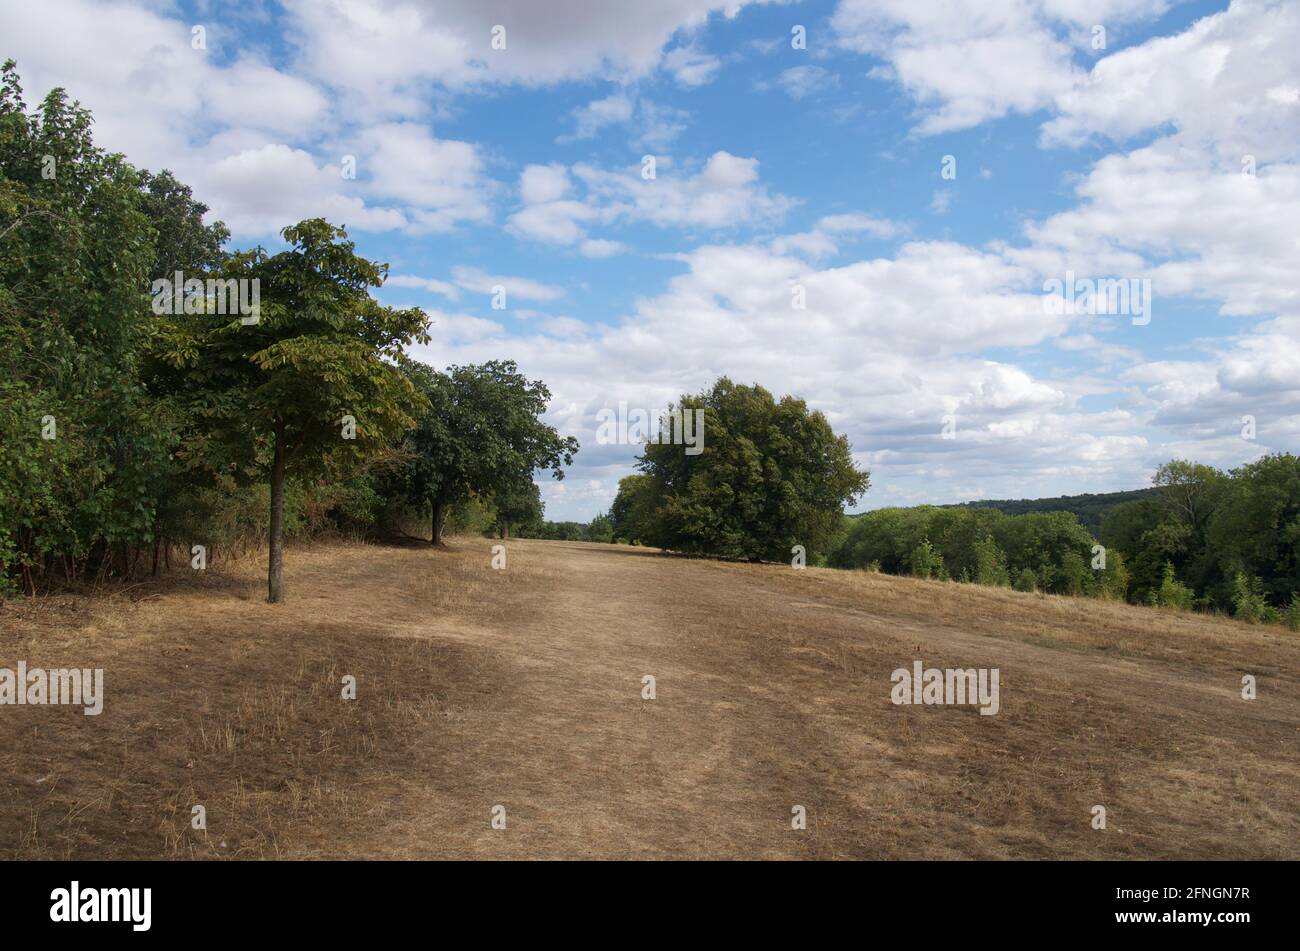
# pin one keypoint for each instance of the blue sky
(775, 168)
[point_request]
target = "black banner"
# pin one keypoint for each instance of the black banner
(946, 901)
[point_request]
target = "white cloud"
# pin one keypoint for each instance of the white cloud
(691, 66)
(724, 193)
(384, 55)
(820, 242)
(1227, 84)
(423, 283)
(652, 125)
(473, 279)
(968, 61)
(259, 191)
(601, 248)
(614, 109)
(802, 81)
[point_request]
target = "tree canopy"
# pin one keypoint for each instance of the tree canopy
(772, 474)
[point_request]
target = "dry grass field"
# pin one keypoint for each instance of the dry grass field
(522, 687)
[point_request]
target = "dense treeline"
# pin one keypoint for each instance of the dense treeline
(256, 396)
(1040, 551)
(1202, 538)
(1231, 538)
(599, 529)
(1091, 508)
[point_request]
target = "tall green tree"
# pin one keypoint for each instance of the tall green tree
(1255, 530)
(310, 387)
(481, 434)
(771, 475)
(80, 447)
(519, 505)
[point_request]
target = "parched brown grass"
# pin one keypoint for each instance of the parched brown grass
(522, 688)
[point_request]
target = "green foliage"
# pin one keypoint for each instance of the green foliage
(1248, 601)
(772, 475)
(1026, 580)
(518, 506)
(1291, 616)
(599, 529)
(926, 562)
(1114, 582)
(481, 434)
(1090, 508)
(990, 563)
(632, 512)
(311, 388)
(1255, 528)
(1172, 593)
(76, 245)
(476, 515)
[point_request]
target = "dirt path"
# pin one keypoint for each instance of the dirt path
(765, 702)
(523, 688)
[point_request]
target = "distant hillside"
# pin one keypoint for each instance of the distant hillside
(1089, 508)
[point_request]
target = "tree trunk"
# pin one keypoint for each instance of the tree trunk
(275, 573)
(439, 516)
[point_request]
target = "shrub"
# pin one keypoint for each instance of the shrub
(1115, 577)
(926, 562)
(1026, 580)
(990, 563)
(1172, 593)
(1291, 615)
(1248, 602)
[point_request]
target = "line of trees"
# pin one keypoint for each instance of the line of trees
(1203, 539)
(1040, 551)
(123, 429)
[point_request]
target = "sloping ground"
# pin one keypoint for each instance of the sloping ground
(522, 688)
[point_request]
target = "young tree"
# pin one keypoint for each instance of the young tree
(311, 386)
(482, 433)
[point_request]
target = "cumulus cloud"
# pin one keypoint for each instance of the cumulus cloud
(1228, 84)
(725, 193)
(384, 54)
(473, 279)
(691, 66)
(650, 125)
(968, 61)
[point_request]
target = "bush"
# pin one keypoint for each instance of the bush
(1248, 602)
(1114, 581)
(1291, 616)
(990, 563)
(926, 562)
(1026, 580)
(1172, 593)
